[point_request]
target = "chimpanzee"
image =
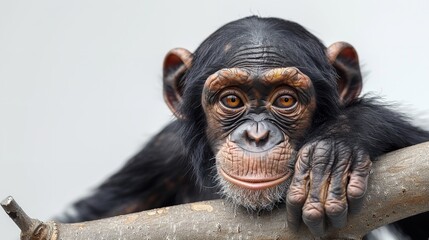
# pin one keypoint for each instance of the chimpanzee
(265, 114)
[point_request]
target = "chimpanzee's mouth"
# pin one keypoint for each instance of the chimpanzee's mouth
(255, 183)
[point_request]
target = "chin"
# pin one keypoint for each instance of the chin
(253, 199)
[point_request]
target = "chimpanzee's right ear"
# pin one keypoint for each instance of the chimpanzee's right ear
(176, 63)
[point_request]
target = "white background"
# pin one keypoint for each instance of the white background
(80, 81)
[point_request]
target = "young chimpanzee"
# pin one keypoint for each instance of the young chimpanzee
(265, 114)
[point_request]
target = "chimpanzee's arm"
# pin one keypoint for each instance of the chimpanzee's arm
(378, 129)
(159, 175)
(373, 126)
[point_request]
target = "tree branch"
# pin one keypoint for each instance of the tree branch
(399, 187)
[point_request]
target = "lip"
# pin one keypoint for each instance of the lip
(255, 183)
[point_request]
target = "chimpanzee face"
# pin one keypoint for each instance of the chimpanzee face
(254, 118)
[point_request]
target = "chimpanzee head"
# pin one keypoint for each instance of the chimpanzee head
(248, 98)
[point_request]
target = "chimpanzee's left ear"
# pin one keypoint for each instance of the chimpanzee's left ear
(176, 63)
(344, 58)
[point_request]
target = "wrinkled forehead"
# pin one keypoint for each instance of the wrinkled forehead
(229, 77)
(258, 55)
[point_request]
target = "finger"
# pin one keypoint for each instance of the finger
(313, 212)
(358, 181)
(297, 193)
(336, 201)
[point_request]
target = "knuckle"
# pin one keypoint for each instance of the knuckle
(334, 207)
(322, 147)
(309, 147)
(305, 151)
(361, 155)
(366, 164)
(317, 150)
(323, 144)
(356, 190)
(315, 144)
(359, 151)
(303, 160)
(313, 213)
(361, 172)
(341, 169)
(344, 151)
(301, 166)
(295, 198)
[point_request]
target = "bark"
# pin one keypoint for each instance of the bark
(399, 187)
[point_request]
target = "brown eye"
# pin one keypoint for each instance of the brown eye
(285, 101)
(232, 101)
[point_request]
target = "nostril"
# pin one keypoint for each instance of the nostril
(257, 136)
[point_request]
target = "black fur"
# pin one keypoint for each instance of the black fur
(176, 165)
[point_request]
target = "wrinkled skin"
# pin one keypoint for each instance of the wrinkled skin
(330, 179)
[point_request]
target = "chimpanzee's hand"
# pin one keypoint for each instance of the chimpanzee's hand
(330, 180)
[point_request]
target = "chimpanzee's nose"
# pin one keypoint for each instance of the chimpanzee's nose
(257, 133)
(257, 136)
